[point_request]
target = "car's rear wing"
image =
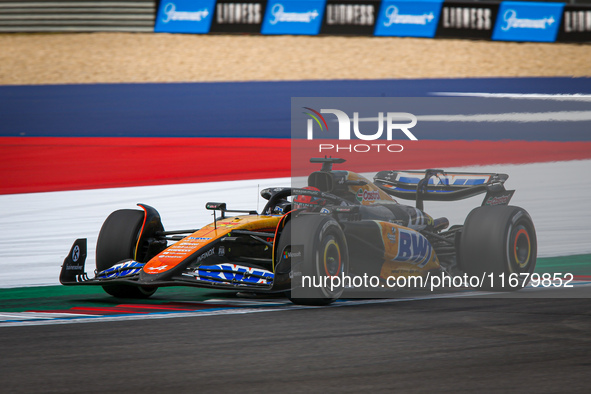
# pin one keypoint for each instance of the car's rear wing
(438, 185)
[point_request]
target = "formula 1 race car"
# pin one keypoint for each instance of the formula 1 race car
(341, 224)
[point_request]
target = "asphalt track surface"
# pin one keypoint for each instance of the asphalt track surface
(438, 345)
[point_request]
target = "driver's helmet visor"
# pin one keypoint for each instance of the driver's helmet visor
(308, 202)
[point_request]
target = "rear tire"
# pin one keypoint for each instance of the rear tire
(324, 255)
(500, 240)
(117, 241)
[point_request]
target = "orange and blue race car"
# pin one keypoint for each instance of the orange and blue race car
(340, 226)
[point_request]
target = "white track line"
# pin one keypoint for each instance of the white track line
(527, 96)
(517, 117)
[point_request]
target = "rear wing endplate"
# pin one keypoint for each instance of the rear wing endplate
(438, 185)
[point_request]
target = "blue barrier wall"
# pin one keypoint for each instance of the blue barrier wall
(247, 109)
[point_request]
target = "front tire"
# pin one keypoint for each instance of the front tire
(499, 240)
(324, 255)
(117, 241)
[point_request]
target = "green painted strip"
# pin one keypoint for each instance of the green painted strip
(47, 291)
(576, 265)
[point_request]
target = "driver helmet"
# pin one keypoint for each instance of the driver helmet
(308, 202)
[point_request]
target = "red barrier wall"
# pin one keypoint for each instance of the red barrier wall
(50, 164)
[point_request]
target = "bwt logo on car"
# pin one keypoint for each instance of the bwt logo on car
(173, 15)
(344, 121)
(232, 272)
(279, 15)
(395, 18)
(513, 22)
(413, 248)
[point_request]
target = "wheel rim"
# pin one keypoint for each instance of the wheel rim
(522, 247)
(332, 258)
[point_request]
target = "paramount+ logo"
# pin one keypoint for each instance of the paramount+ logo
(392, 125)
